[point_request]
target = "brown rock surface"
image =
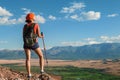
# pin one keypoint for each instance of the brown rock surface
(8, 74)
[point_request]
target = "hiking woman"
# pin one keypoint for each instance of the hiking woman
(31, 33)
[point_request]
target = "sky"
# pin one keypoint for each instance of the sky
(63, 22)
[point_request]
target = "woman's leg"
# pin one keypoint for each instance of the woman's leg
(28, 56)
(41, 59)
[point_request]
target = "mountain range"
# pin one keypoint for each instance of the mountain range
(95, 51)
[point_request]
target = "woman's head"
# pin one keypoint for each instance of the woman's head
(30, 17)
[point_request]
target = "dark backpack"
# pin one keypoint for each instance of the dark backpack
(29, 37)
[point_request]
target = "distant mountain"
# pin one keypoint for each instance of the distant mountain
(11, 54)
(96, 51)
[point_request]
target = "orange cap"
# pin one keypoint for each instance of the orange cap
(30, 16)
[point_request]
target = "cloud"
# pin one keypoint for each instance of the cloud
(6, 21)
(40, 19)
(77, 43)
(74, 7)
(6, 17)
(91, 15)
(112, 15)
(90, 41)
(4, 12)
(20, 19)
(26, 11)
(76, 17)
(51, 17)
(85, 16)
(112, 39)
(76, 12)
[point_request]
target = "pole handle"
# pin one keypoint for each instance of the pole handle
(41, 33)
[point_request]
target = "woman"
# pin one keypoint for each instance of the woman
(30, 18)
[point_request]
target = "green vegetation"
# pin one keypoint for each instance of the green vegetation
(75, 73)
(72, 73)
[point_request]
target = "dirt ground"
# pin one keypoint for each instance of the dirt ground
(109, 66)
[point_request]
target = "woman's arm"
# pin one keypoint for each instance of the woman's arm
(38, 31)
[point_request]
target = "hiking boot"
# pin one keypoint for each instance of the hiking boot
(29, 77)
(42, 73)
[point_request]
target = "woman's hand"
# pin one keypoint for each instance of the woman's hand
(42, 35)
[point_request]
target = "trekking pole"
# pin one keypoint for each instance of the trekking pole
(44, 48)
